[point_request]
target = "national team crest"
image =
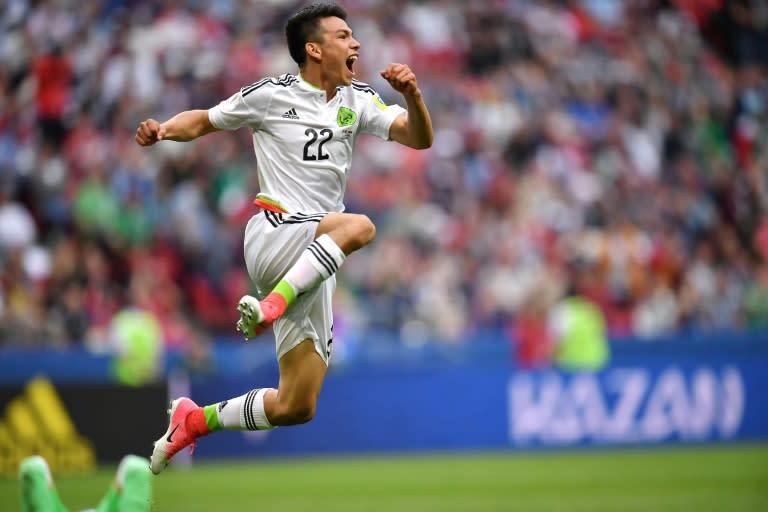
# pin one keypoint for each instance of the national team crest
(346, 116)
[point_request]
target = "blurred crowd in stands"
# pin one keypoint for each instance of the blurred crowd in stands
(615, 150)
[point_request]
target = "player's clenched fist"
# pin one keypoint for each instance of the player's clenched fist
(149, 132)
(401, 78)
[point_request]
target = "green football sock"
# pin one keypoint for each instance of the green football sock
(132, 490)
(109, 502)
(285, 289)
(212, 417)
(38, 493)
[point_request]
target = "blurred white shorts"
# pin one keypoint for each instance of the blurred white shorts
(273, 243)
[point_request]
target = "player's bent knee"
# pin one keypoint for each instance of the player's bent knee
(303, 411)
(366, 230)
(294, 414)
(298, 416)
(304, 414)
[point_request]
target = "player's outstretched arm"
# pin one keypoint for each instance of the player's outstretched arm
(415, 129)
(182, 127)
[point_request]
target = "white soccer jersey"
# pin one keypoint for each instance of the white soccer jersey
(303, 143)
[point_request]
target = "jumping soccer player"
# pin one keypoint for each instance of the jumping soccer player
(304, 130)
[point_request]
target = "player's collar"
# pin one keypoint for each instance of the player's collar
(309, 87)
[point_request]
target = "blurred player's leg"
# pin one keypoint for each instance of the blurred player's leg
(132, 488)
(38, 493)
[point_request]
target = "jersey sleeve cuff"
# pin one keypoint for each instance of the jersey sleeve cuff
(214, 116)
(392, 112)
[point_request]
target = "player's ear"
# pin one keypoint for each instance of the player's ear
(312, 49)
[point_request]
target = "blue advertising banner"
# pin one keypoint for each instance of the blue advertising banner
(391, 397)
(468, 407)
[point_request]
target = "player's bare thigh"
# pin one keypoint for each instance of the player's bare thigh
(350, 231)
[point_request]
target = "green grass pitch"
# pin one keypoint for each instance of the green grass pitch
(693, 479)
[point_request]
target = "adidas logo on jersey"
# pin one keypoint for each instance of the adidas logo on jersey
(291, 114)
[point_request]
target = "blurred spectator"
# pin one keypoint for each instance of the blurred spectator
(68, 319)
(579, 333)
(756, 300)
(535, 340)
(656, 312)
(53, 78)
(136, 340)
(18, 229)
(744, 36)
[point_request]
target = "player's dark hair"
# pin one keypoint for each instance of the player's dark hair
(304, 26)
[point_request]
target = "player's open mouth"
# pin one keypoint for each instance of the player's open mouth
(351, 63)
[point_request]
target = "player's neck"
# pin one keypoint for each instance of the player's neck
(314, 78)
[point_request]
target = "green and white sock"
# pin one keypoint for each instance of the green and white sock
(245, 412)
(212, 416)
(319, 261)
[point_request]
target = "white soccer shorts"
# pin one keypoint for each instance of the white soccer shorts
(273, 243)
